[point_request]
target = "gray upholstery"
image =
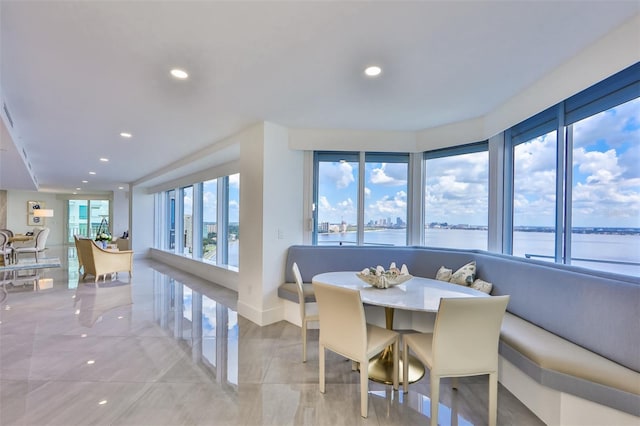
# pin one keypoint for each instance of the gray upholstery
(596, 311)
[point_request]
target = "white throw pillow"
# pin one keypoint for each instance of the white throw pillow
(465, 275)
(443, 274)
(482, 286)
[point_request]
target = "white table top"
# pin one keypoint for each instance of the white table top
(417, 294)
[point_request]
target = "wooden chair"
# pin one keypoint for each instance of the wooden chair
(99, 262)
(464, 342)
(304, 317)
(344, 330)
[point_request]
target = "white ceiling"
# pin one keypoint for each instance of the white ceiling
(75, 74)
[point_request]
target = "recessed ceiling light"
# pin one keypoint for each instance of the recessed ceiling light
(121, 187)
(92, 173)
(74, 193)
(78, 189)
(126, 135)
(104, 401)
(85, 181)
(91, 362)
(373, 71)
(104, 160)
(179, 74)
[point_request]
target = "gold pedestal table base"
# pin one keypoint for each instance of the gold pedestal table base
(381, 367)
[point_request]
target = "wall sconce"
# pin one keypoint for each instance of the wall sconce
(43, 212)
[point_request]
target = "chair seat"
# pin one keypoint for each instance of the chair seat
(422, 345)
(378, 339)
(26, 249)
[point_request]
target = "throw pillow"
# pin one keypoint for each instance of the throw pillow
(465, 275)
(482, 286)
(443, 274)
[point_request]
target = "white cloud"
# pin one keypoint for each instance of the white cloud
(391, 174)
(341, 174)
(617, 126)
(457, 189)
(324, 203)
(388, 206)
(601, 166)
(342, 210)
(367, 192)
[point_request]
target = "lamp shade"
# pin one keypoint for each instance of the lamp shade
(43, 212)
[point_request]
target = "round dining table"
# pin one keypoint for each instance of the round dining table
(417, 294)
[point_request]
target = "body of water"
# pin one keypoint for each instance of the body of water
(603, 247)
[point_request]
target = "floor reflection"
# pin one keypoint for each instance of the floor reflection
(206, 328)
(93, 300)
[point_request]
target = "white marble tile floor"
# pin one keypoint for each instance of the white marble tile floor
(167, 348)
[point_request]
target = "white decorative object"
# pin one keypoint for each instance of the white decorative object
(380, 278)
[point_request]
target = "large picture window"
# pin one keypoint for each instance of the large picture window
(209, 219)
(534, 197)
(456, 197)
(208, 227)
(605, 195)
(360, 198)
(336, 198)
(576, 181)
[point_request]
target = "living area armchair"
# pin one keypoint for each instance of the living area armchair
(99, 262)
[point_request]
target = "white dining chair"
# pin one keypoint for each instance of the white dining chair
(39, 246)
(305, 318)
(464, 342)
(344, 330)
(6, 251)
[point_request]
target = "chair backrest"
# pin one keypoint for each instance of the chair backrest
(298, 276)
(4, 239)
(343, 326)
(466, 334)
(9, 232)
(41, 238)
(85, 253)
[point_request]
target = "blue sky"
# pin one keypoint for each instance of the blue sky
(606, 186)
(210, 202)
(385, 192)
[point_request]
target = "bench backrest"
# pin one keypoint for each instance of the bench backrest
(596, 310)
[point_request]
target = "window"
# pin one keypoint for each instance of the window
(336, 198)
(605, 195)
(456, 197)
(534, 197)
(170, 242)
(187, 229)
(576, 181)
(385, 199)
(353, 209)
(209, 219)
(233, 215)
(210, 226)
(86, 216)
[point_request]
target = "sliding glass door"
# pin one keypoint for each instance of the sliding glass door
(85, 217)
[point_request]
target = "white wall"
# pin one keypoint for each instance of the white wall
(17, 214)
(142, 214)
(271, 219)
(120, 213)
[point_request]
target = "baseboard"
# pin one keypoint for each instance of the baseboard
(259, 317)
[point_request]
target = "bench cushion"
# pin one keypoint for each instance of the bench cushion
(562, 365)
(290, 292)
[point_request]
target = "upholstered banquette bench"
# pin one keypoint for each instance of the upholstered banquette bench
(568, 329)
